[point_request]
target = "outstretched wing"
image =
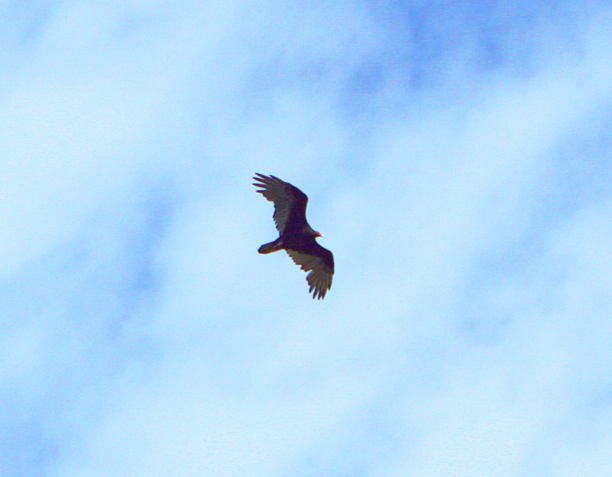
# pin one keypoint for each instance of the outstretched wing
(289, 201)
(320, 263)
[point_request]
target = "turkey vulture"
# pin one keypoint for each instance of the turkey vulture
(297, 238)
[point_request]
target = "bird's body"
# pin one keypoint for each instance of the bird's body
(296, 236)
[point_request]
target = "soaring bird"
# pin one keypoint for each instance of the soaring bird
(296, 237)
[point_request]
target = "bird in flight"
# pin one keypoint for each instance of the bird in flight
(296, 237)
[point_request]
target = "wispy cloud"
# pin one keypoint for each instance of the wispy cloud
(456, 159)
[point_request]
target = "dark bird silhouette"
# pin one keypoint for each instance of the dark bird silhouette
(296, 237)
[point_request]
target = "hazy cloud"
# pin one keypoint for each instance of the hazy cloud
(456, 157)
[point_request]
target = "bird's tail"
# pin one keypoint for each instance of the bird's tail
(271, 247)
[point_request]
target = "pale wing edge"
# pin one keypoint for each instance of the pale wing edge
(320, 276)
(274, 190)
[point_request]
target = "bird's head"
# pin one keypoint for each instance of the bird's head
(312, 233)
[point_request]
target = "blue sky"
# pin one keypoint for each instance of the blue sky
(457, 159)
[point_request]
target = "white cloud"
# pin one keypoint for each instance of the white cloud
(466, 331)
